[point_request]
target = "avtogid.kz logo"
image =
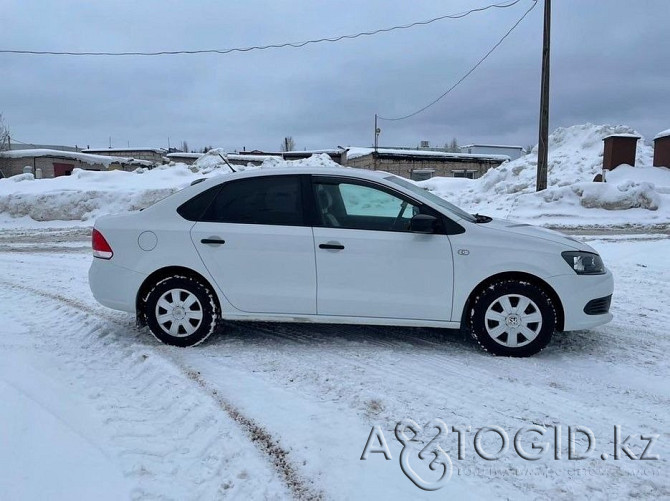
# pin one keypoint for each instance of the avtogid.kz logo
(424, 446)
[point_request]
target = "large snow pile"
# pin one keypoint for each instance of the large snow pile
(631, 195)
(85, 195)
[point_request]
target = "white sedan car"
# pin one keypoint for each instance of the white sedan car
(339, 245)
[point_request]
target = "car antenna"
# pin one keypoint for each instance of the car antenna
(227, 163)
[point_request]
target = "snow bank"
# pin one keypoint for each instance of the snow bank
(86, 195)
(632, 195)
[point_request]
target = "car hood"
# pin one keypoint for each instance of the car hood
(529, 230)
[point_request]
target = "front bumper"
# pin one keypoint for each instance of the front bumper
(576, 291)
(114, 286)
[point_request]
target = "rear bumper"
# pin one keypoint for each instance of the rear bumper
(576, 292)
(114, 286)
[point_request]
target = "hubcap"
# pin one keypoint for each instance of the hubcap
(513, 320)
(179, 313)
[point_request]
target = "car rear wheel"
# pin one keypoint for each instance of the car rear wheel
(512, 318)
(181, 311)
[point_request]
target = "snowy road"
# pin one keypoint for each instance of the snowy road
(92, 407)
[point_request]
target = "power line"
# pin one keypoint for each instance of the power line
(469, 71)
(17, 141)
(264, 47)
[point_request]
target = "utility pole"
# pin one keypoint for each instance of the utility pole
(377, 131)
(543, 143)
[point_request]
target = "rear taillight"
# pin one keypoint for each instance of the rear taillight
(101, 248)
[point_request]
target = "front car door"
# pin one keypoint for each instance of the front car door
(253, 240)
(369, 263)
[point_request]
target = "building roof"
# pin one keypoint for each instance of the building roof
(160, 151)
(183, 154)
(82, 157)
(249, 158)
(230, 156)
(661, 134)
(356, 152)
(331, 151)
(491, 146)
(632, 136)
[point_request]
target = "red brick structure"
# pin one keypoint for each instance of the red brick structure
(662, 149)
(619, 149)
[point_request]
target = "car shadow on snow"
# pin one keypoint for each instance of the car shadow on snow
(339, 335)
(334, 336)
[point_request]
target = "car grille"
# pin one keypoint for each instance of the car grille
(598, 306)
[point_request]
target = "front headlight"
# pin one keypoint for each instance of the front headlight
(584, 263)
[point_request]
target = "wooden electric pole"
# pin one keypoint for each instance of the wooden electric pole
(375, 154)
(543, 143)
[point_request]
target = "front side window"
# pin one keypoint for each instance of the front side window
(275, 200)
(362, 207)
(431, 197)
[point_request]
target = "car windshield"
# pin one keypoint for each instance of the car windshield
(431, 197)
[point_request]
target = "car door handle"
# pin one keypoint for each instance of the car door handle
(212, 241)
(334, 246)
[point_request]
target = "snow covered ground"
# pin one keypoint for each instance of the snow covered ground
(91, 407)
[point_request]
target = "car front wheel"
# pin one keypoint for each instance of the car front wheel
(181, 311)
(512, 318)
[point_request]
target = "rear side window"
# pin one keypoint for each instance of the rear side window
(194, 209)
(275, 200)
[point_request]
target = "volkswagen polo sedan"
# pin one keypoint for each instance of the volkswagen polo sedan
(347, 246)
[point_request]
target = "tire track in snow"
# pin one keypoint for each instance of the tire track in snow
(263, 440)
(267, 445)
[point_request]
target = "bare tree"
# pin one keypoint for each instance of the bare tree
(288, 144)
(184, 146)
(4, 135)
(453, 146)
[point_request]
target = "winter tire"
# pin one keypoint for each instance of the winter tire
(512, 318)
(181, 311)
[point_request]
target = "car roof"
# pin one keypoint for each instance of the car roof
(278, 171)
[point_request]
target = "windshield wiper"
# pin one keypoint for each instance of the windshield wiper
(481, 218)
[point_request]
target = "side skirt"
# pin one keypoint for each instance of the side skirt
(332, 319)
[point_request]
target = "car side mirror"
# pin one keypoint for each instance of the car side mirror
(422, 223)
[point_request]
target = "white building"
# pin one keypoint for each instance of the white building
(513, 152)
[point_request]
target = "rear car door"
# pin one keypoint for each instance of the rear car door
(369, 263)
(253, 240)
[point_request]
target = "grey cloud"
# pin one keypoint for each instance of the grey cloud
(608, 64)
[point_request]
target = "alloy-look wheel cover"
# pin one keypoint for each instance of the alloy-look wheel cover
(179, 312)
(513, 320)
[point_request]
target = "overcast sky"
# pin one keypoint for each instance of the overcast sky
(610, 64)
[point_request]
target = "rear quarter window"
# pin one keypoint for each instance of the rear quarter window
(195, 208)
